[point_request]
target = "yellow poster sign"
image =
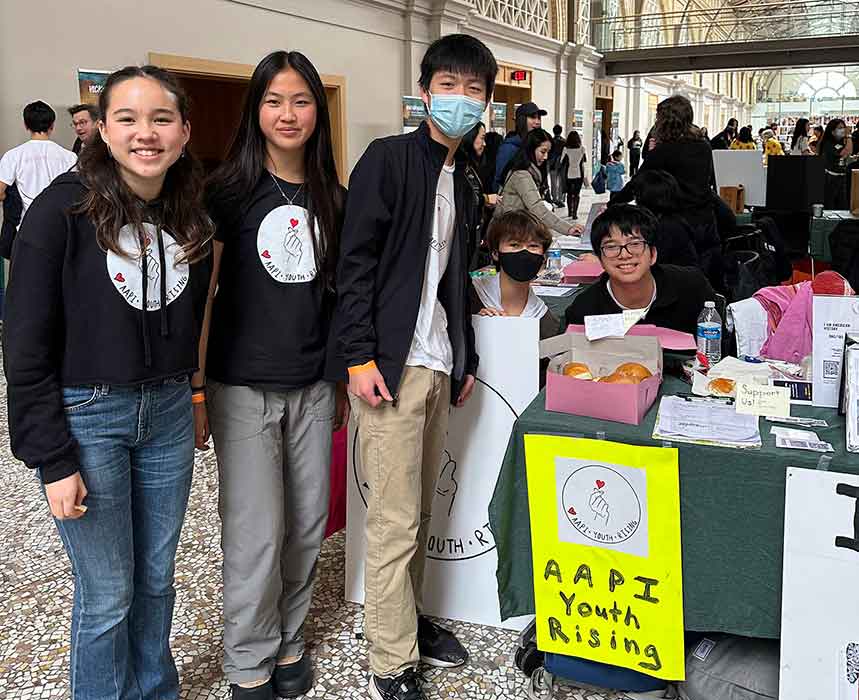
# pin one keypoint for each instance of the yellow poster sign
(605, 537)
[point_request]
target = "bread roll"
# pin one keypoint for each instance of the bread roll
(634, 370)
(620, 379)
(579, 370)
(721, 386)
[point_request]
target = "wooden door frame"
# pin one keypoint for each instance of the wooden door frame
(204, 67)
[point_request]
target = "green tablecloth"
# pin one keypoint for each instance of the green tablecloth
(818, 235)
(732, 516)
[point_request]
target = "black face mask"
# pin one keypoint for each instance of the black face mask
(522, 266)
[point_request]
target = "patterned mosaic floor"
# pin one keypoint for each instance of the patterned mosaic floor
(36, 589)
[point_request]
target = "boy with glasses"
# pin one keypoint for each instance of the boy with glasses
(623, 237)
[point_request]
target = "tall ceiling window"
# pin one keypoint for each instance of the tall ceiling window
(827, 85)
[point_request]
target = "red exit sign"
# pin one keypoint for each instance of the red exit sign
(519, 75)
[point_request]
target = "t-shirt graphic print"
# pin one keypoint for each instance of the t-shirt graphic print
(285, 246)
(126, 273)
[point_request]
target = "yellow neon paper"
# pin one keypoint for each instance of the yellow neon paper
(605, 537)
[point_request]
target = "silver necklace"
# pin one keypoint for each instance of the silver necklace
(282, 193)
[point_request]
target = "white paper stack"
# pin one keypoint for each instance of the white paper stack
(705, 422)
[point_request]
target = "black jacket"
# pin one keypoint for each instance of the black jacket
(675, 241)
(383, 250)
(13, 207)
(74, 316)
(680, 296)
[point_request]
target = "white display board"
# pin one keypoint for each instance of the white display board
(832, 318)
(744, 168)
(820, 612)
(460, 581)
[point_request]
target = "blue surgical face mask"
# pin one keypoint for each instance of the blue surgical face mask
(455, 115)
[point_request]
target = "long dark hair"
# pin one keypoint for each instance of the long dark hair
(674, 118)
(745, 135)
(110, 204)
(574, 140)
(799, 131)
(230, 186)
(467, 145)
(829, 133)
(524, 158)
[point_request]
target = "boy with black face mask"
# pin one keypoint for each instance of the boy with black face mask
(518, 243)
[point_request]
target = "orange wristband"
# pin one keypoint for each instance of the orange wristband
(358, 369)
(199, 397)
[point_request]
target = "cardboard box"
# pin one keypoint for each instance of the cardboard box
(624, 403)
(582, 272)
(734, 197)
(854, 192)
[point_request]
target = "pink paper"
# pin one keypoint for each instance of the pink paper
(582, 271)
(668, 337)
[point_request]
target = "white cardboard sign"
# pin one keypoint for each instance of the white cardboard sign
(820, 613)
(832, 318)
(459, 581)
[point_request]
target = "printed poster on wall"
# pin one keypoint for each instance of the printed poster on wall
(579, 119)
(90, 85)
(414, 112)
(819, 616)
(460, 581)
(498, 112)
(605, 540)
(596, 150)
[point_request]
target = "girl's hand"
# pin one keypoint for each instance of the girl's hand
(491, 312)
(201, 427)
(66, 496)
(576, 230)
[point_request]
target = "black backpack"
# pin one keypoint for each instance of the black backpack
(844, 243)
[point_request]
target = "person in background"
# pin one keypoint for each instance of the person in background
(657, 191)
(35, 163)
(84, 120)
(799, 140)
(704, 134)
(854, 138)
(835, 146)
(403, 330)
(814, 139)
(772, 147)
(623, 237)
(575, 157)
(722, 140)
(518, 243)
(744, 141)
(105, 306)
(528, 117)
(492, 142)
(556, 166)
(473, 146)
(277, 205)
(605, 148)
(681, 151)
(634, 148)
(523, 179)
(614, 174)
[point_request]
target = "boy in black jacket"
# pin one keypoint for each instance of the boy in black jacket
(403, 330)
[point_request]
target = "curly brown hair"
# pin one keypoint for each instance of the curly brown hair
(110, 204)
(674, 117)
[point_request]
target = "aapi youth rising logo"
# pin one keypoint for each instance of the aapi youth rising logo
(285, 246)
(601, 504)
(126, 273)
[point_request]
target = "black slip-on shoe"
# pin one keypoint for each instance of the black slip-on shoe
(439, 647)
(406, 686)
(261, 692)
(293, 680)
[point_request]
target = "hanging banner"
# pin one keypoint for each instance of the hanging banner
(414, 112)
(90, 85)
(579, 119)
(605, 538)
(819, 616)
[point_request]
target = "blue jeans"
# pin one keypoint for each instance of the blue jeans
(136, 460)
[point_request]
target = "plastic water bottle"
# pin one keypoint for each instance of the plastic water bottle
(709, 333)
(553, 262)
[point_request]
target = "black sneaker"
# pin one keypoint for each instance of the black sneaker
(438, 647)
(406, 686)
(261, 692)
(293, 680)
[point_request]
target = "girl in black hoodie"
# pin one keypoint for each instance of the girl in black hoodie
(104, 311)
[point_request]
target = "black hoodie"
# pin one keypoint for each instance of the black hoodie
(74, 317)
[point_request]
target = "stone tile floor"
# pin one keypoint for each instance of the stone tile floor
(36, 590)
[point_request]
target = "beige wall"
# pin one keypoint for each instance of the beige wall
(49, 44)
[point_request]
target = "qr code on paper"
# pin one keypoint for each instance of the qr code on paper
(831, 369)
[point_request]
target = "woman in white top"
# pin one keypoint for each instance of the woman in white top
(799, 141)
(576, 158)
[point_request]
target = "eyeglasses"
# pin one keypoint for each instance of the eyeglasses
(633, 248)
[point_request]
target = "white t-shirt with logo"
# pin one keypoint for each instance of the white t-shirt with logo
(33, 166)
(431, 345)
